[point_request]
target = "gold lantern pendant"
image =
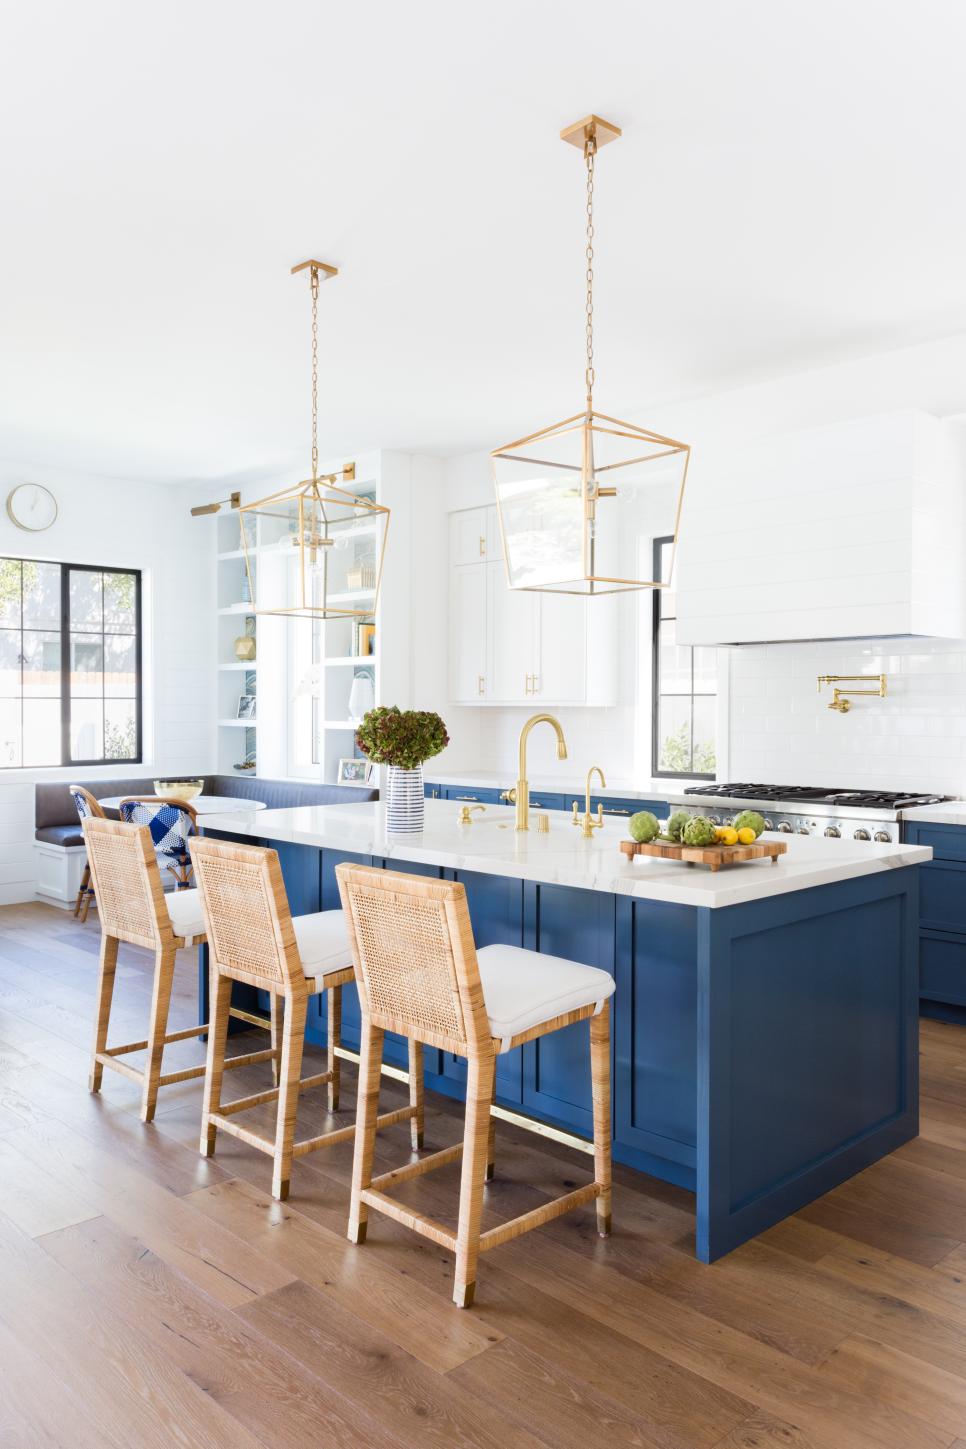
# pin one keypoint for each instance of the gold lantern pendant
(336, 537)
(577, 499)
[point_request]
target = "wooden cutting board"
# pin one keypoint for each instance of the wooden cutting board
(714, 856)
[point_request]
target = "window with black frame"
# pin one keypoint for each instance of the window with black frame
(70, 664)
(684, 699)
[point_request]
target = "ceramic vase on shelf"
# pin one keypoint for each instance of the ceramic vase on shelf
(405, 800)
(362, 696)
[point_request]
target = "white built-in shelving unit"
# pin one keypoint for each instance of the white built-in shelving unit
(303, 671)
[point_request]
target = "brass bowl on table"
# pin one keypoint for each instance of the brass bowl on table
(178, 789)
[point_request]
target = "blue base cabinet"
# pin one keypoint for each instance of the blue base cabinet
(942, 919)
(762, 1053)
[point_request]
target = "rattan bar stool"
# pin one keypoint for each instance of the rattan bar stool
(419, 974)
(253, 937)
(133, 907)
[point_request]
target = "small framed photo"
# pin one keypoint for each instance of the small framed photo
(246, 706)
(367, 639)
(355, 771)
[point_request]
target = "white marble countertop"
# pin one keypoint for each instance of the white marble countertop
(562, 857)
(569, 785)
(950, 812)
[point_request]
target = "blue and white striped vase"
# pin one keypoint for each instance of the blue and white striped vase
(405, 800)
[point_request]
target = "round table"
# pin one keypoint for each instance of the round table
(202, 804)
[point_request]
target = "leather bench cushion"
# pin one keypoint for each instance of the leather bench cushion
(63, 835)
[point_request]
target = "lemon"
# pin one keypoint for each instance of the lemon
(747, 836)
(728, 835)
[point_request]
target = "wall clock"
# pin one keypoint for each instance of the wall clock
(31, 506)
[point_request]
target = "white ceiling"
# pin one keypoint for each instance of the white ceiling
(788, 192)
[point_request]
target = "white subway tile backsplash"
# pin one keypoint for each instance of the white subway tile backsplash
(781, 728)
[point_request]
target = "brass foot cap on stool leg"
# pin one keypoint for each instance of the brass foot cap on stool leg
(490, 1172)
(357, 1233)
(283, 1191)
(463, 1297)
(603, 1224)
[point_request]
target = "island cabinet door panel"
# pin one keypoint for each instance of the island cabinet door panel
(578, 925)
(655, 1036)
(496, 912)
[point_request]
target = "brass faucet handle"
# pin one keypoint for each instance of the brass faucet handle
(575, 816)
(466, 814)
(509, 797)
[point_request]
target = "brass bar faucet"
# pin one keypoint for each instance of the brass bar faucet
(588, 823)
(522, 785)
(839, 701)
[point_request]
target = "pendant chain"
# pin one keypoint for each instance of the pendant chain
(590, 152)
(315, 373)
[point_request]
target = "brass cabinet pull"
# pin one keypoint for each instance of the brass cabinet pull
(615, 811)
(481, 684)
(534, 686)
(466, 797)
(482, 546)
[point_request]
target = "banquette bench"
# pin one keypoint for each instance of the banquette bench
(60, 845)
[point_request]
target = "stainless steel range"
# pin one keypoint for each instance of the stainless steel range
(810, 809)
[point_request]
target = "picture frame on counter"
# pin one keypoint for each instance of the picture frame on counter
(355, 771)
(365, 639)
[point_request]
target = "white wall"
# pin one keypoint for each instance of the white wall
(801, 740)
(144, 526)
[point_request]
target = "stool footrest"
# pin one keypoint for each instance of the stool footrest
(538, 1216)
(250, 1059)
(416, 1169)
(409, 1217)
(254, 1018)
(398, 1074)
(106, 1059)
(185, 1075)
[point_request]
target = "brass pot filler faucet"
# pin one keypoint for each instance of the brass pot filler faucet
(839, 701)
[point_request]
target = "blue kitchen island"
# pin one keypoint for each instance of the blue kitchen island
(765, 1019)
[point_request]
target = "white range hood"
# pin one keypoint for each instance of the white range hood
(851, 530)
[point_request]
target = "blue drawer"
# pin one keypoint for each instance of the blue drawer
(942, 968)
(540, 800)
(947, 841)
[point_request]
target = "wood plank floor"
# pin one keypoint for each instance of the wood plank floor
(150, 1297)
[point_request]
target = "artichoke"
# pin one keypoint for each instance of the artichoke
(676, 824)
(699, 831)
(749, 820)
(644, 827)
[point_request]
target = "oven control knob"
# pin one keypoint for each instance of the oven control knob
(833, 832)
(860, 835)
(716, 818)
(882, 836)
(804, 830)
(769, 824)
(785, 828)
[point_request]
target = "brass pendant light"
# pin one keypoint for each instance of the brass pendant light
(337, 536)
(576, 498)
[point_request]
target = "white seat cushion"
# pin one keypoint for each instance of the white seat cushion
(522, 988)
(323, 945)
(184, 909)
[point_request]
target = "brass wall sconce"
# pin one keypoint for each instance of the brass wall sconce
(233, 501)
(839, 702)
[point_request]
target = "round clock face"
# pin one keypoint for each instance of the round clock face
(32, 507)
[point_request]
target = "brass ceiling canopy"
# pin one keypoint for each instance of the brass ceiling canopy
(317, 549)
(581, 500)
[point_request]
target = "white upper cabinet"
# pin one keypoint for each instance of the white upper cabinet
(849, 530)
(510, 646)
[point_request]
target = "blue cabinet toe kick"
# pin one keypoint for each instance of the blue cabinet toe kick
(762, 1053)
